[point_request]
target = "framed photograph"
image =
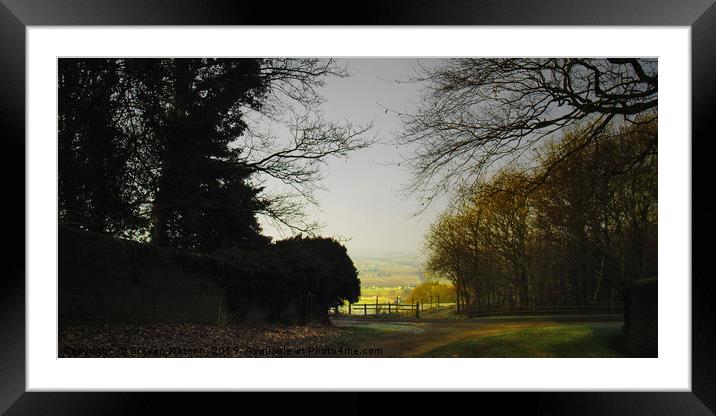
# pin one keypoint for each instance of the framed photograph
(422, 198)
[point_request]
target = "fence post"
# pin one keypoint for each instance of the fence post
(365, 309)
(389, 309)
(349, 308)
(417, 310)
(438, 301)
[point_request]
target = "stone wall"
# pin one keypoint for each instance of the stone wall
(107, 280)
(642, 316)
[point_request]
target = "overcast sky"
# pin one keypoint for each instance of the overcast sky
(363, 199)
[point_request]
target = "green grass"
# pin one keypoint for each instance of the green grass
(574, 340)
(445, 311)
(358, 334)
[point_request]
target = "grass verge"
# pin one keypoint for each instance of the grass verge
(564, 341)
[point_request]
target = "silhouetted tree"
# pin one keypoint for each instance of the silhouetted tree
(203, 185)
(160, 149)
(93, 152)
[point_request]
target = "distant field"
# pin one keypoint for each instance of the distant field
(384, 294)
(389, 280)
(389, 272)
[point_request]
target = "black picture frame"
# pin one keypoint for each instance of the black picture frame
(15, 15)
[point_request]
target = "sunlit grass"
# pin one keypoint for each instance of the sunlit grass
(578, 341)
(445, 311)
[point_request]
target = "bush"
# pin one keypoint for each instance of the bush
(295, 280)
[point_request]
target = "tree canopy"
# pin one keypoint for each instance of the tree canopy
(584, 235)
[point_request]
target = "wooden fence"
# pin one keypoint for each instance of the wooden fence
(474, 310)
(399, 309)
(614, 308)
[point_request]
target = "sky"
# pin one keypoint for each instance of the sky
(363, 200)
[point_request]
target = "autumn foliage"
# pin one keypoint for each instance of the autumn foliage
(579, 228)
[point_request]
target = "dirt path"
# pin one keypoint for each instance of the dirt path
(414, 339)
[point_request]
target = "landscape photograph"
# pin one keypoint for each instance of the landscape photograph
(354, 207)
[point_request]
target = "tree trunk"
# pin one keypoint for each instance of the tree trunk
(524, 289)
(457, 297)
(167, 182)
(158, 224)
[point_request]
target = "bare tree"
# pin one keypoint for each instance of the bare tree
(480, 114)
(289, 140)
